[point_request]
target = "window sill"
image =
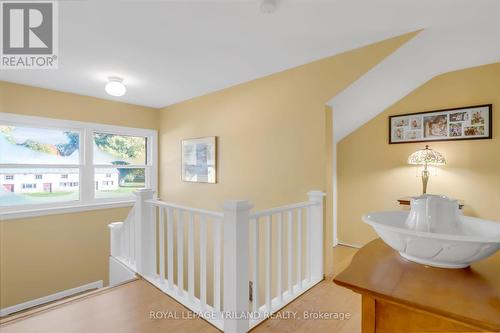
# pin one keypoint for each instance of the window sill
(36, 212)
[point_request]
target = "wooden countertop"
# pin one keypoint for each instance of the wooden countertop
(470, 295)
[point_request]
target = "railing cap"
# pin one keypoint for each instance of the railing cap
(115, 225)
(316, 195)
(144, 192)
(237, 205)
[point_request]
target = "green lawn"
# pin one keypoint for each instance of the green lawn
(123, 191)
(47, 194)
(9, 199)
(135, 185)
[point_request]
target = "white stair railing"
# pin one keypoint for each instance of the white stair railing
(298, 253)
(177, 273)
(122, 240)
(175, 247)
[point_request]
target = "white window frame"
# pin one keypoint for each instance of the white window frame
(86, 167)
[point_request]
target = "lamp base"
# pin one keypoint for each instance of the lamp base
(425, 180)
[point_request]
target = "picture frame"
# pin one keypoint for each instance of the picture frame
(463, 123)
(199, 160)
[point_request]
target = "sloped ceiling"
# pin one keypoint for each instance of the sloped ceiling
(434, 51)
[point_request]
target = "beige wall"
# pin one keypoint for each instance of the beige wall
(34, 101)
(45, 255)
(372, 174)
(272, 134)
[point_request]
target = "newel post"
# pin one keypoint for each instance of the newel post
(145, 252)
(316, 236)
(115, 230)
(236, 261)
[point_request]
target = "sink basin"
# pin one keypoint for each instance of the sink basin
(434, 234)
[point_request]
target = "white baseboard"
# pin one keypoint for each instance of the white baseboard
(356, 246)
(50, 298)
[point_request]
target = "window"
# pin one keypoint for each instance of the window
(122, 158)
(80, 163)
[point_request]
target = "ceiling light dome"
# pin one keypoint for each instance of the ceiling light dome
(115, 86)
(268, 6)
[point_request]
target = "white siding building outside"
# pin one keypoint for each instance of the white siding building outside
(53, 180)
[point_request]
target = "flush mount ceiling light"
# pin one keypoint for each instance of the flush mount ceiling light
(268, 6)
(115, 86)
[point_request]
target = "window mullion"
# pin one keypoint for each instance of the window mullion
(87, 174)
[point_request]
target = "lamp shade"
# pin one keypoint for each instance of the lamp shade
(426, 156)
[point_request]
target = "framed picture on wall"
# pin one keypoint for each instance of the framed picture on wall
(199, 158)
(466, 123)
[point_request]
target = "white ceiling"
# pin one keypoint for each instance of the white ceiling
(170, 51)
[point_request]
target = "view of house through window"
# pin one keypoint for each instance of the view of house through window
(25, 186)
(46, 165)
(25, 147)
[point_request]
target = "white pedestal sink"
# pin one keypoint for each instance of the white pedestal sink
(433, 233)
